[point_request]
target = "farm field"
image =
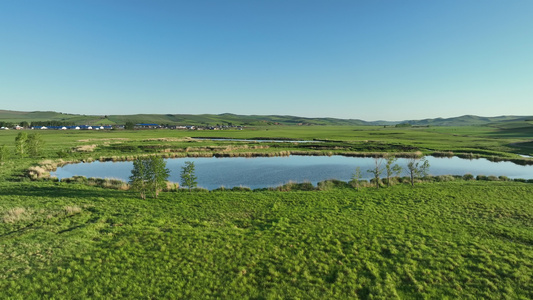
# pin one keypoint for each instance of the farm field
(455, 239)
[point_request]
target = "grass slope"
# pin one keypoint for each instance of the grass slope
(441, 240)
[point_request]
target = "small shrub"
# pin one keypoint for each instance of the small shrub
(294, 186)
(373, 182)
(241, 189)
(171, 186)
(519, 180)
(285, 187)
(385, 181)
(429, 178)
(364, 183)
(482, 177)
(503, 178)
(116, 184)
(444, 178)
(332, 183)
(325, 185)
(468, 177)
(492, 178)
(303, 186)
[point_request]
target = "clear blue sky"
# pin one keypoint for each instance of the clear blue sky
(370, 60)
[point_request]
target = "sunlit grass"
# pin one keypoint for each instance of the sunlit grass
(456, 239)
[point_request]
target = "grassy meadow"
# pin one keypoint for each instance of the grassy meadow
(466, 239)
(440, 240)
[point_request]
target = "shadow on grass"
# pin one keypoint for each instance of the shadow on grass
(521, 132)
(66, 191)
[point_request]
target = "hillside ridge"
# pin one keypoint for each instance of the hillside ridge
(9, 116)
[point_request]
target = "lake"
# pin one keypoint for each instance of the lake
(261, 172)
(255, 140)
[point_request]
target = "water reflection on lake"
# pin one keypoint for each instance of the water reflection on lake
(263, 172)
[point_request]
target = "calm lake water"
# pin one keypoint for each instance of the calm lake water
(263, 172)
(254, 140)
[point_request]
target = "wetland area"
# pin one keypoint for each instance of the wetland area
(264, 172)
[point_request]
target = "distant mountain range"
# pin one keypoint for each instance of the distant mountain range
(16, 117)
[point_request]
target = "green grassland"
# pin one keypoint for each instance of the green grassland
(486, 141)
(441, 240)
(456, 239)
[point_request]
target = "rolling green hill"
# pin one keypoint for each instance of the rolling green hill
(209, 119)
(15, 117)
(467, 120)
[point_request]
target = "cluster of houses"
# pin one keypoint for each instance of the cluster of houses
(137, 126)
(187, 127)
(72, 127)
(218, 127)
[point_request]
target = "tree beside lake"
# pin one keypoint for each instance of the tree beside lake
(391, 168)
(417, 167)
(188, 178)
(356, 178)
(377, 170)
(149, 175)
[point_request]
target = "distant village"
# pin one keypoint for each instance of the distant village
(44, 126)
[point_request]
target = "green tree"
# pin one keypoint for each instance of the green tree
(417, 167)
(129, 125)
(139, 176)
(188, 178)
(34, 144)
(356, 177)
(392, 169)
(158, 174)
(149, 175)
(20, 143)
(377, 170)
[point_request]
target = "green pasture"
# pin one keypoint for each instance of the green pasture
(441, 240)
(483, 140)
